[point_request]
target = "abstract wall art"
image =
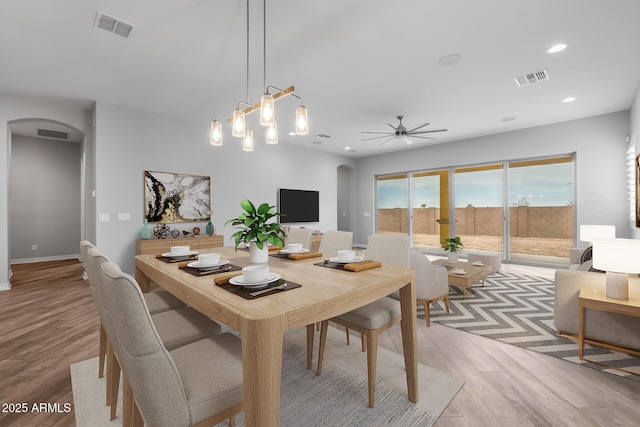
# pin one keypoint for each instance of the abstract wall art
(175, 197)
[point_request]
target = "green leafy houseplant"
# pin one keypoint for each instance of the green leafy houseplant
(453, 244)
(254, 225)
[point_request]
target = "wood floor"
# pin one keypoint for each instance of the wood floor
(48, 321)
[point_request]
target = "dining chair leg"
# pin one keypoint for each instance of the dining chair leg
(232, 418)
(347, 331)
(310, 336)
(446, 302)
(427, 313)
(109, 355)
(372, 360)
(136, 416)
(102, 351)
(128, 402)
(363, 339)
(114, 380)
(323, 339)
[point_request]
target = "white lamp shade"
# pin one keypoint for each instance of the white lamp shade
(247, 141)
(302, 121)
(267, 112)
(272, 134)
(617, 255)
(216, 133)
(238, 124)
(589, 233)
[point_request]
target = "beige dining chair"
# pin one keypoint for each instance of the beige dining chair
(300, 235)
(432, 282)
(157, 301)
(176, 327)
(378, 316)
(333, 241)
(197, 384)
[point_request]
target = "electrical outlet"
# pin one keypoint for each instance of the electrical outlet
(34, 247)
(124, 216)
(103, 217)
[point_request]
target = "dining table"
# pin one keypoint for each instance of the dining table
(262, 321)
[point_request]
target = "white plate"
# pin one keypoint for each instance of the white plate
(238, 281)
(477, 263)
(335, 259)
(188, 254)
(301, 251)
(459, 272)
(196, 264)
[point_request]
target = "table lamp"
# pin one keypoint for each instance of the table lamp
(589, 233)
(619, 258)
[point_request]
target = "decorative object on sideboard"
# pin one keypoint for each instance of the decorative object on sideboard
(266, 106)
(173, 197)
(256, 230)
(619, 258)
(453, 245)
(209, 229)
(196, 231)
(146, 233)
(161, 230)
(175, 233)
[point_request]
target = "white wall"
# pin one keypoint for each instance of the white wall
(599, 144)
(131, 141)
(15, 108)
(45, 198)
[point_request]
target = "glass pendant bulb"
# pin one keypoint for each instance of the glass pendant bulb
(267, 111)
(302, 121)
(216, 133)
(247, 141)
(272, 134)
(238, 123)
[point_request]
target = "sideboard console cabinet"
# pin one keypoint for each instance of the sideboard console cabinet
(157, 246)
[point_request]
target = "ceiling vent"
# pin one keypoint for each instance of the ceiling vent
(113, 25)
(531, 78)
(53, 134)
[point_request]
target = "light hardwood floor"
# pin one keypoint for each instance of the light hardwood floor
(48, 321)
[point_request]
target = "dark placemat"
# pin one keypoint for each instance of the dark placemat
(330, 264)
(354, 267)
(245, 293)
(197, 272)
(174, 260)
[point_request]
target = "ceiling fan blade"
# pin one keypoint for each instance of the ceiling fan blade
(381, 133)
(393, 137)
(421, 137)
(377, 137)
(427, 131)
(391, 126)
(417, 127)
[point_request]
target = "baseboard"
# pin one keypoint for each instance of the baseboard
(5, 286)
(45, 259)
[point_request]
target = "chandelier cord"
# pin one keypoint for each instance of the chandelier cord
(264, 45)
(247, 51)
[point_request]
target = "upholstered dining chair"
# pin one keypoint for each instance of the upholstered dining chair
(157, 301)
(300, 235)
(197, 384)
(332, 242)
(176, 327)
(432, 282)
(378, 316)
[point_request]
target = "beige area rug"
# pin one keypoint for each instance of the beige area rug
(336, 398)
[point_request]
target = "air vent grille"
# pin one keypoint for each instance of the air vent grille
(535, 77)
(113, 25)
(53, 134)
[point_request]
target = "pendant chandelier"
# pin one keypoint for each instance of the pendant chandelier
(266, 106)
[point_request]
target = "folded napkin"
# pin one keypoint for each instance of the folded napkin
(225, 280)
(362, 265)
(305, 255)
(274, 248)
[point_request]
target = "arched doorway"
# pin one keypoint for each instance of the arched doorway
(344, 192)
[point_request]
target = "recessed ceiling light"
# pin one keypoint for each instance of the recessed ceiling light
(557, 48)
(347, 148)
(449, 60)
(507, 119)
(292, 133)
(316, 141)
(569, 99)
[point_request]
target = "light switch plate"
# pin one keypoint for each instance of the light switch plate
(124, 216)
(103, 217)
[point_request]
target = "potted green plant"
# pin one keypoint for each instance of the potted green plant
(453, 245)
(256, 230)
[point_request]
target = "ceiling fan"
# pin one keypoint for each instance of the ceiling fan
(402, 133)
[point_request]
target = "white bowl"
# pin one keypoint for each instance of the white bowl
(294, 247)
(180, 250)
(206, 260)
(346, 255)
(255, 273)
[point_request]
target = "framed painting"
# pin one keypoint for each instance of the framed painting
(175, 197)
(637, 190)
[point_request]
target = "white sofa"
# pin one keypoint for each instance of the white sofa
(599, 326)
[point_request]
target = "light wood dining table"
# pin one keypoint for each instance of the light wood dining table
(262, 322)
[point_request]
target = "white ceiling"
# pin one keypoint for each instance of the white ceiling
(357, 64)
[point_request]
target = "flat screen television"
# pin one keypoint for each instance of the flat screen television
(298, 206)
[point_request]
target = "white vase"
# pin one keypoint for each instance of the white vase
(452, 257)
(257, 255)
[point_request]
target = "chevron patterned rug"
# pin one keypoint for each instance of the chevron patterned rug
(518, 310)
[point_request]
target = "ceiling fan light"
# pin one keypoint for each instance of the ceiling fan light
(267, 111)
(302, 121)
(238, 128)
(272, 134)
(247, 141)
(216, 133)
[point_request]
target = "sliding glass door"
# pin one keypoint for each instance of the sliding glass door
(392, 198)
(430, 209)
